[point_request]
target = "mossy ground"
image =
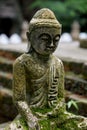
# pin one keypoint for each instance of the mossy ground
(47, 124)
(51, 124)
(62, 122)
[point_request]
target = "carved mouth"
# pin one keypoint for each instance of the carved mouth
(50, 49)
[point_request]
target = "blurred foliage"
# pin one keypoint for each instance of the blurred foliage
(66, 11)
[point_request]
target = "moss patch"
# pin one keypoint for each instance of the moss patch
(23, 123)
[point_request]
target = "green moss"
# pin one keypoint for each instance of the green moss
(69, 126)
(49, 124)
(42, 111)
(52, 125)
(23, 123)
(44, 124)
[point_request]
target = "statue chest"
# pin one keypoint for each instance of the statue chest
(37, 89)
(37, 76)
(35, 70)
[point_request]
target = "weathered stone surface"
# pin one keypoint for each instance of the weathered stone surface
(9, 54)
(49, 124)
(38, 80)
(3, 125)
(73, 66)
(75, 30)
(76, 84)
(83, 43)
(84, 72)
(43, 75)
(81, 102)
(6, 64)
(7, 109)
(6, 79)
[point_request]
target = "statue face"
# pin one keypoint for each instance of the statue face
(44, 40)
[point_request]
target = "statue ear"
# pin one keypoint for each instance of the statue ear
(28, 35)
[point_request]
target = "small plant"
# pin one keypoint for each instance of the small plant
(72, 103)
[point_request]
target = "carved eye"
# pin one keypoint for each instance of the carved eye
(44, 38)
(56, 39)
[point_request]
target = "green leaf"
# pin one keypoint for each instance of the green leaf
(75, 104)
(69, 104)
(72, 103)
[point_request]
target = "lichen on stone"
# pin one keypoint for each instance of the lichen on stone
(38, 80)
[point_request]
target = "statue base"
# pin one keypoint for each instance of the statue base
(51, 124)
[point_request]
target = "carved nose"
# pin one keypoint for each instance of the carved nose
(52, 45)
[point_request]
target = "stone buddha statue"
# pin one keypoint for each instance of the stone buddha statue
(38, 80)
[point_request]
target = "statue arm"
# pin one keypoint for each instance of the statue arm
(19, 93)
(60, 106)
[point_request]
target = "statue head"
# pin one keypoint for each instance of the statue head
(44, 32)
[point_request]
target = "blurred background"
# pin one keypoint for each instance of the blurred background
(72, 50)
(15, 15)
(14, 12)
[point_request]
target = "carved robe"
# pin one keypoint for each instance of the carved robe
(42, 86)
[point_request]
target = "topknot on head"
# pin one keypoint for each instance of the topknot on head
(44, 17)
(44, 13)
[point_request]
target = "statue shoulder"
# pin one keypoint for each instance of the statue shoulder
(59, 66)
(21, 59)
(58, 61)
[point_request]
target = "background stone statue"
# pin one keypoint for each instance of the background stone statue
(38, 80)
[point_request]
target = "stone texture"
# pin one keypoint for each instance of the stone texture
(38, 80)
(76, 85)
(73, 66)
(6, 52)
(6, 79)
(6, 64)
(84, 72)
(81, 102)
(7, 109)
(83, 43)
(43, 75)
